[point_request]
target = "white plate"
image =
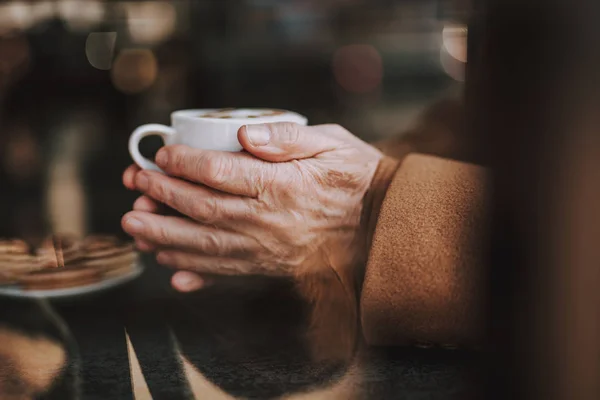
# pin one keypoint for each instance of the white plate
(15, 291)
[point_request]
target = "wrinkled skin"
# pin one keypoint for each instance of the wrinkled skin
(290, 203)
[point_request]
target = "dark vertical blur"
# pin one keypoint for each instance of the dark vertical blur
(534, 93)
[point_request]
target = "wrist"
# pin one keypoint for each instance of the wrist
(351, 261)
(347, 250)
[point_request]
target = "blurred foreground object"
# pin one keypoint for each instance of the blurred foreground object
(533, 87)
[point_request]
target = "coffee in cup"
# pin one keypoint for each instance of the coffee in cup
(210, 129)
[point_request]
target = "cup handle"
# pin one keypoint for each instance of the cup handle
(140, 133)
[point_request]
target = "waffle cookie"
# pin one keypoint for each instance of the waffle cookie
(109, 255)
(13, 246)
(59, 278)
(65, 261)
(15, 259)
(60, 250)
(6, 279)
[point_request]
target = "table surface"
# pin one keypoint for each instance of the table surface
(251, 337)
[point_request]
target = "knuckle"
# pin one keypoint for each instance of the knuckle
(159, 190)
(215, 169)
(163, 235)
(213, 241)
(288, 133)
(176, 157)
(197, 211)
(207, 210)
(157, 233)
(209, 242)
(154, 188)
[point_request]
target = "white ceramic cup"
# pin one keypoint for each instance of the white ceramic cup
(210, 129)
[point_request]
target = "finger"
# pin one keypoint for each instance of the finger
(145, 203)
(197, 202)
(285, 141)
(180, 233)
(211, 265)
(144, 246)
(237, 173)
(129, 176)
(186, 281)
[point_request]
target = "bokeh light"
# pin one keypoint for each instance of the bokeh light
(99, 48)
(358, 68)
(15, 16)
(150, 22)
(81, 15)
(134, 70)
(454, 40)
(453, 51)
(42, 10)
(451, 66)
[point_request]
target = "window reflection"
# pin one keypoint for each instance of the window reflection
(76, 77)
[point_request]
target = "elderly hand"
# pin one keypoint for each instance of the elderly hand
(289, 204)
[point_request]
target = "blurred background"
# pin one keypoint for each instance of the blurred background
(77, 76)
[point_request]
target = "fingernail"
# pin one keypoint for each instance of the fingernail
(134, 224)
(258, 135)
(162, 158)
(183, 280)
(187, 281)
(141, 182)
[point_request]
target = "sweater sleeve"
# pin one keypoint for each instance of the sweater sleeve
(426, 217)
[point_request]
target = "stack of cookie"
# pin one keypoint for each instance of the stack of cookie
(16, 259)
(59, 278)
(109, 255)
(65, 261)
(60, 251)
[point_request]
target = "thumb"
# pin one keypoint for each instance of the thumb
(284, 141)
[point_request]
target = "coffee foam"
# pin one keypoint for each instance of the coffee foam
(241, 113)
(244, 115)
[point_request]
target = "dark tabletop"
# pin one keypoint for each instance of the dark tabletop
(251, 337)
